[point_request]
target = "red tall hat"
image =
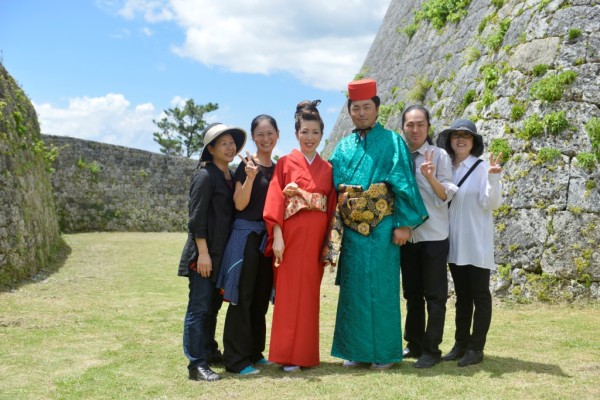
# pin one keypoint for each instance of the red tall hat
(363, 89)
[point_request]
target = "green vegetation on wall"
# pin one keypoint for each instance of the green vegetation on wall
(592, 128)
(437, 12)
(552, 87)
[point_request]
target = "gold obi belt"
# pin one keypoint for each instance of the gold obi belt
(361, 210)
(358, 209)
(304, 200)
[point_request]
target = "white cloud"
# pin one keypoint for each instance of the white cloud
(108, 119)
(322, 44)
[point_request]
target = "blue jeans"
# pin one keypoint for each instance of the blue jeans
(201, 320)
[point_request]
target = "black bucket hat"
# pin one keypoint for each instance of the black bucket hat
(213, 131)
(463, 125)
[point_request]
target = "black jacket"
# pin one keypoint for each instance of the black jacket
(211, 212)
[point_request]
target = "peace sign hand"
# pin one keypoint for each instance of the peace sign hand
(495, 167)
(251, 168)
(428, 167)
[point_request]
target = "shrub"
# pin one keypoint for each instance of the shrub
(409, 30)
(556, 122)
(540, 69)
(532, 127)
(593, 130)
(490, 76)
(543, 4)
(574, 33)
(494, 41)
(586, 161)
(419, 90)
(547, 154)
(498, 3)
(487, 98)
(501, 146)
(484, 22)
(551, 88)
(470, 97)
(517, 111)
(472, 54)
(439, 11)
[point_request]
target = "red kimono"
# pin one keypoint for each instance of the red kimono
(295, 328)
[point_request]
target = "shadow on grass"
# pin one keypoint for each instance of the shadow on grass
(57, 259)
(496, 366)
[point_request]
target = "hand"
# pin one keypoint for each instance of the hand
(401, 235)
(495, 167)
(251, 168)
(278, 248)
(291, 189)
(428, 167)
(204, 265)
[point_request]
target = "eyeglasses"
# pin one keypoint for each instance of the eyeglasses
(460, 135)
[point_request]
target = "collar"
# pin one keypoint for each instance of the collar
(363, 132)
(421, 150)
(469, 161)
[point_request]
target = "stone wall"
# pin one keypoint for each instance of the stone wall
(102, 187)
(528, 73)
(29, 235)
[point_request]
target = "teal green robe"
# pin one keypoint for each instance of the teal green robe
(368, 326)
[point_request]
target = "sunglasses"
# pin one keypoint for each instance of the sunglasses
(460, 135)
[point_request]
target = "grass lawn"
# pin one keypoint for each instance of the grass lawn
(108, 324)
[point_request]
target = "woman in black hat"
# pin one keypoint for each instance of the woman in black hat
(471, 255)
(210, 216)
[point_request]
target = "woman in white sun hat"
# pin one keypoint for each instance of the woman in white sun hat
(211, 214)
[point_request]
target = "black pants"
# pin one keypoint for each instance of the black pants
(472, 286)
(425, 280)
(244, 334)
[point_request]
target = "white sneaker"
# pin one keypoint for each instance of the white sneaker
(291, 368)
(350, 364)
(381, 366)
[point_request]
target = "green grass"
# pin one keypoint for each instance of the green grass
(108, 323)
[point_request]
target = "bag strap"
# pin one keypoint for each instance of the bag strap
(466, 176)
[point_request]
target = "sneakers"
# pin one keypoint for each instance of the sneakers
(249, 370)
(350, 364)
(381, 366)
(291, 368)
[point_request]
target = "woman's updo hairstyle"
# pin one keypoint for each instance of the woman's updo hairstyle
(307, 111)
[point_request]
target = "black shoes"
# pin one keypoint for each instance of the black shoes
(455, 354)
(427, 361)
(408, 353)
(215, 358)
(471, 357)
(201, 373)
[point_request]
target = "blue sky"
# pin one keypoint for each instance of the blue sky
(103, 70)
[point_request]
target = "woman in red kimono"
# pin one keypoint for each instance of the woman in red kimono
(300, 202)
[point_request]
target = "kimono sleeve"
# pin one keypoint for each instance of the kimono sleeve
(409, 209)
(274, 204)
(201, 193)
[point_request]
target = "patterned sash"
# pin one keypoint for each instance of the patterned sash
(304, 201)
(358, 209)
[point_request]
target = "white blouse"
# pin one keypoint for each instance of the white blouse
(471, 221)
(436, 227)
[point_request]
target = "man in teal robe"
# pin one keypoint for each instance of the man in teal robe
(368, 325)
